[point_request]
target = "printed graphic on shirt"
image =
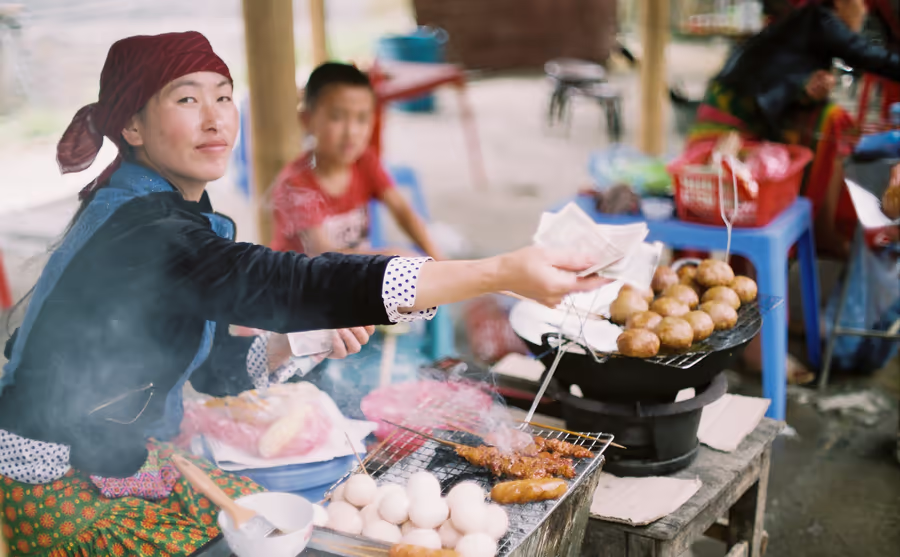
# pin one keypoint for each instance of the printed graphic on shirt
(346, 230)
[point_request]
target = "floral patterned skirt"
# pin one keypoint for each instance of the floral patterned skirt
(69, 517)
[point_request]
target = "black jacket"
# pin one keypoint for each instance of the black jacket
(775, 65)
(130, 309)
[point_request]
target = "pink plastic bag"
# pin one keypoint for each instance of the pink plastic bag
(286, 420)
(768, 162)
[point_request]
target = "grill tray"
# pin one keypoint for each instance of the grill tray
(403, 453)
(617, 378)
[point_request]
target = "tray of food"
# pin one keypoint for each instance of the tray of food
(477, 488)
(693, 322)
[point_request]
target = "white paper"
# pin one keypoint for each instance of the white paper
(638, 267)
(868, 207)
(311, 343)
(232, 459)
(520, 367)
(727, 421)
(640, 501)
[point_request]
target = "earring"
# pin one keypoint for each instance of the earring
(309, 146)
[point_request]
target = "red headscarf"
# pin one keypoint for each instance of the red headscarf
(136, 68)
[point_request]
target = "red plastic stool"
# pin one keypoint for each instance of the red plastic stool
(5, 293)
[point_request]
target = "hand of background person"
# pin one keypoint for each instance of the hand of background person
(546, 276)
(820, 85)
(890, 201)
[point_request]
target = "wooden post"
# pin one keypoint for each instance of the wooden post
(654, 25)
(275, 132)
(319, 33)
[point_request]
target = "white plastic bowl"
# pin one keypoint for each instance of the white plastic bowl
(657, 208)
(290, 513)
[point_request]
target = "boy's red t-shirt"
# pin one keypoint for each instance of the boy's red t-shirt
(300, 204)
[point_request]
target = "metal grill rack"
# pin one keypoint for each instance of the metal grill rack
(750, 317)
(404, 453)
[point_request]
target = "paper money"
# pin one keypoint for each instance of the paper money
(620, 251)
(311, 343)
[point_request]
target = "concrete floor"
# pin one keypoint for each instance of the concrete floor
(835, 486)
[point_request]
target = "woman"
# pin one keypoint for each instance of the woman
(138, 298)
(776, 87)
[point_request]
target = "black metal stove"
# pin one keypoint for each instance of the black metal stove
(635, 399)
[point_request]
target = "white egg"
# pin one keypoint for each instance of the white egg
(497, 522)
(382, 531)
(394, 508)
(370, 513)
(449, 535)
(423, 538)
(320, 516)
(428, 513)
(469, 518)
(344, 517)
(407, 527)
(465, 492)
(423, 485)
(338, 493)
(386, 489)
(360, 490)
(476, 545)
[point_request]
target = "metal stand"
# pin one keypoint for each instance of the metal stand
(836, 329)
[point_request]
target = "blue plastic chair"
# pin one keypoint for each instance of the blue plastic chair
(767, 248)
(440, 336)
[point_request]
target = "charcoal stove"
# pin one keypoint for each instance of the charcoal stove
(635, 399)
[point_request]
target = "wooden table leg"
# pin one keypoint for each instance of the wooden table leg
(476, 162)
(746, 519)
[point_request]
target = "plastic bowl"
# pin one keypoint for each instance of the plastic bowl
(657, 208)
(290, 513)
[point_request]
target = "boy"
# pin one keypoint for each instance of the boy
(321, 198)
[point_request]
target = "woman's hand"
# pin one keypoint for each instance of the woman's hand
(349, 341)
(344, 342)
(890, 201)
(546, 276)
(820, 85)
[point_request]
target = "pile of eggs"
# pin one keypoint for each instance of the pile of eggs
(417, 514)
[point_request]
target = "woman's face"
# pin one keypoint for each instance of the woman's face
(187, 130)
(852, 12)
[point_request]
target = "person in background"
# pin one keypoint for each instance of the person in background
(137, 299)
(320, 200)
(776, 87)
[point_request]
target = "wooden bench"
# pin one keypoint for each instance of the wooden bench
(730, 506)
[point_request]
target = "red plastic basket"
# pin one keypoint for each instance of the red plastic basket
(697, 189)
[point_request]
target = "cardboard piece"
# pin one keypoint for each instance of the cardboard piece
(727, 421)
(640, 501)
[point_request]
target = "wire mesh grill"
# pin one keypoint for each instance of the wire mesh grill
(750, 317)
(404, 453)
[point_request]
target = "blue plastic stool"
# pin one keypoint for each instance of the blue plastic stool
(440, 336)
(767, 248)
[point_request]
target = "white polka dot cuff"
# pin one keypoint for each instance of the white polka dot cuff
(399, 289)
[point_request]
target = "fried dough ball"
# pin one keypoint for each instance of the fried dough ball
(627, 304)
(663, 278)
(644, 320)
(722, 294)
(687, 273)
(702, 324)
(675, 332)
(669, 307)
(645, 294)
(724, 317)
(684, 294)
(638, 343)
(713, 272)
(745, 288)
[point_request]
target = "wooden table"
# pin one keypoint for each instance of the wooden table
(734, 488)
(396, 81)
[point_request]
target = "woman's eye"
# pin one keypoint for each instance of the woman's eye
(187, 100)
(225, 99)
